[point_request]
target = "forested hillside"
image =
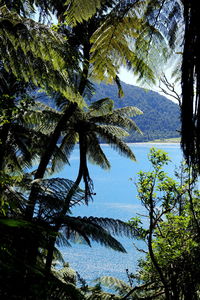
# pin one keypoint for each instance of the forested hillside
(161, 116)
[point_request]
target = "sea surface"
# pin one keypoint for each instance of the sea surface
(116, 197)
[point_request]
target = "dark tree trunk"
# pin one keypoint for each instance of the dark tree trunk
(83, 173)
(46, 158)
(190, 110)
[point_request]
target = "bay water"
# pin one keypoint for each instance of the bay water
(116, 197)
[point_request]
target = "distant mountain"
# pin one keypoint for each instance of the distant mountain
(161, 116)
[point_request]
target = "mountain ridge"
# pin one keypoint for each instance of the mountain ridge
(160, 118)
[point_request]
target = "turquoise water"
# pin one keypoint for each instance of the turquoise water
(115, 198)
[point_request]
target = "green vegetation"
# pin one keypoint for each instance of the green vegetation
(170, 268)
(91, 42)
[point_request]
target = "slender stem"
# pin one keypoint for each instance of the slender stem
(150, 238)
(46, 158)
(58, 223)
(82, 165)
(151, 253)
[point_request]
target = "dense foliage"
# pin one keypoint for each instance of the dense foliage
(170, 267)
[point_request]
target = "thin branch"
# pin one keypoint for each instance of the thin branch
(169, 89)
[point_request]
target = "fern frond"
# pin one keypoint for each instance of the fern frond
(115, 227)
(120, 90)
(60, 290)
(89, 230)
(165, 16)
(66, 274)
(100, 230)
(42, 120)
(16, 199)
(112, 44)
(120, 118)
(160, 33)
(95, 153)
(114, 141)
(58, 256)
(115, 130)
(128, 111)
(101, 107)
(51, 194)
(115, 284)
(78, 11)
(100, 295)
(68, 142)
(34, 52)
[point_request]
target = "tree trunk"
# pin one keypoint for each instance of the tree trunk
(66, 206)
(190, 109)
(46, 158)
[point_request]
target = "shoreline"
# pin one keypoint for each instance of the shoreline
(150, 143)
